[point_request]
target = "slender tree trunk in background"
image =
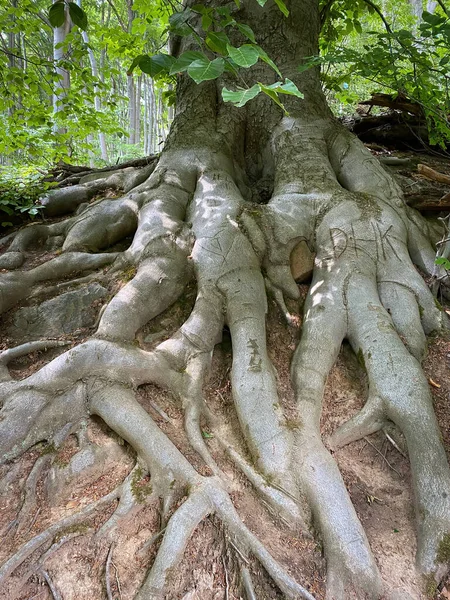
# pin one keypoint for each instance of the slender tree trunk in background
(63, 83)
(97, 101)
(146, 115)
(170, 109)
(431, 6)
(417, 9)
(153, 118)
(137, 135)
(131, 88)
(162, 117)
(131, 94)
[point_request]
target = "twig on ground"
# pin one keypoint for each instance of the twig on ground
(394, 443)
(107, 572)
(116, 572)
(383, 457)
(56, 595)
(227, 583)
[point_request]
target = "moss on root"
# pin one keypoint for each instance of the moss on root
(443, 553)
(139, 488)
(49, 449)
(438, 304)
(360, 357)
(430, 586)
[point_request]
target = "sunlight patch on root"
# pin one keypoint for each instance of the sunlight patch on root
(350, 564)
(396, 377)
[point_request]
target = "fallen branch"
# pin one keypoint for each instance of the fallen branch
(433, 175)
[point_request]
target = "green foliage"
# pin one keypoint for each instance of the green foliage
(20, 189)
(204, 69)
(242, 96)
(198, 64)
(363, 49)
(362, 53)
(57, 14)
(443, 262)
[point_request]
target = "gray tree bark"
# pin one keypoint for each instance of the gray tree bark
(63, 84)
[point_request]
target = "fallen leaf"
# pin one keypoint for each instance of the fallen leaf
(434, 384)
(71, 504)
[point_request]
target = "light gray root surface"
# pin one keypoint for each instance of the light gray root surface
(191, 219)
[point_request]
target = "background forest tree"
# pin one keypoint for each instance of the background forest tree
(172, 327)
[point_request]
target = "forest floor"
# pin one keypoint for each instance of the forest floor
(375, 471)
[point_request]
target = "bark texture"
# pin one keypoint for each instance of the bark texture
(234, 193)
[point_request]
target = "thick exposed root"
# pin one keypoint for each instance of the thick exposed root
(190, 220)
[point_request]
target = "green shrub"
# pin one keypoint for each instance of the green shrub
(20, 189)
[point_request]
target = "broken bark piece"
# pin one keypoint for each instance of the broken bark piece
(433, 175)
(400, 102)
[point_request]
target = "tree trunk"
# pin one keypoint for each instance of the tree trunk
(138, 111)
(131, 93)
(97, 101)
(234, 194)
(63, 83)
(417, 9)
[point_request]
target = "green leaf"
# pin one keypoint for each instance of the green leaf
(241, 96)
(136, 62)
(266, 58)
(57, 14)
(78, 16)
(246, 31)
(443, 262)
(204, 70)
(156, 65)
(207, 435)
(244, 56)
(184, 60)
(282, 6)
(217, 42)
(178, 22)
(432, 19)
(269, 91)
(288, 87)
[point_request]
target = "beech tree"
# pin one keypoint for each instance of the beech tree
(236, 191)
